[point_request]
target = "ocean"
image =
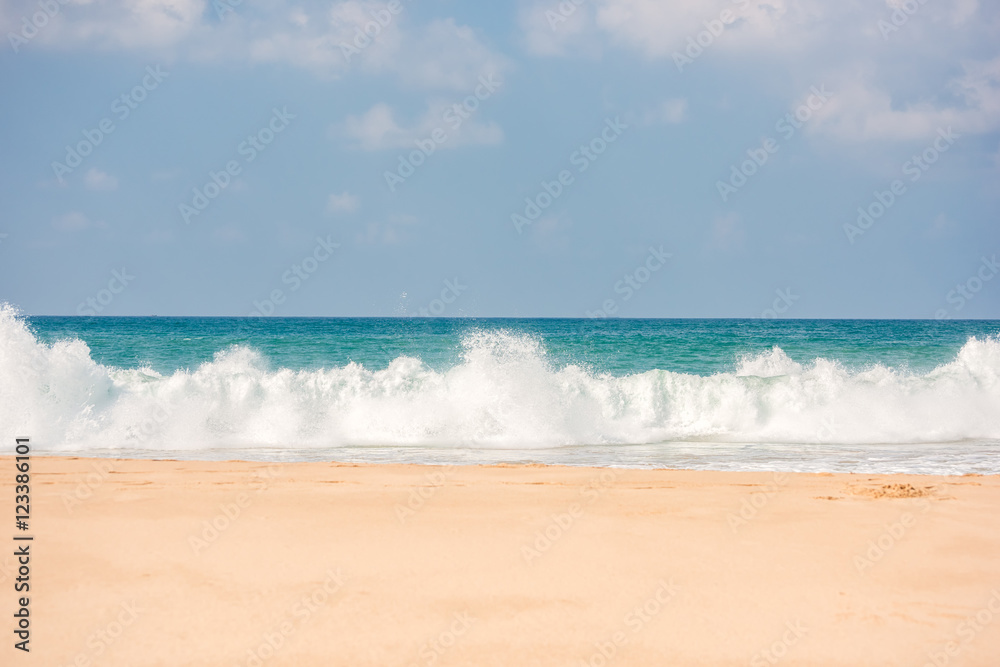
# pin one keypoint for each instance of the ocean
(860, 396)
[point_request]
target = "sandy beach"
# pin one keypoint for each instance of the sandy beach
(144, 563)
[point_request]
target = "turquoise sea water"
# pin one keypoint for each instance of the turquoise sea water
(910, 396)
(617, 346)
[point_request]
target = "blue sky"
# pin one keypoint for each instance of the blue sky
(629, 157)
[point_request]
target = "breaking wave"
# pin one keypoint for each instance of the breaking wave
(504, 393)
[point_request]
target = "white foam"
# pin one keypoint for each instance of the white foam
(503, 394)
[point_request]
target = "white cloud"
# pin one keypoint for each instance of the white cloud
(898, 94)
(551, 31)
(860, 111)
(330, 40)
(670, 111)
(74, 221)
(552, 233)
(229, 234)
(298, 17)
(965, 10)
(728, 232)
(164, 175)
(376, 234)
(95, 179)
(109, 24)
(391, 232)
(962, 10)
(448, 56)
(655, 28)
(345, 202)
(940, 227)
(377, 128)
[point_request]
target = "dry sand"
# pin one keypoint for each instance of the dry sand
(327, 564)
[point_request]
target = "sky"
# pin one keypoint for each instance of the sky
(624, 158)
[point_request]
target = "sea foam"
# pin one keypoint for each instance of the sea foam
(504, 393)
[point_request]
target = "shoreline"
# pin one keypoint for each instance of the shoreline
(145, 562)
(71, 456)
(176, 456)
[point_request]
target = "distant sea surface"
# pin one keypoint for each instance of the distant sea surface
(793, 395)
